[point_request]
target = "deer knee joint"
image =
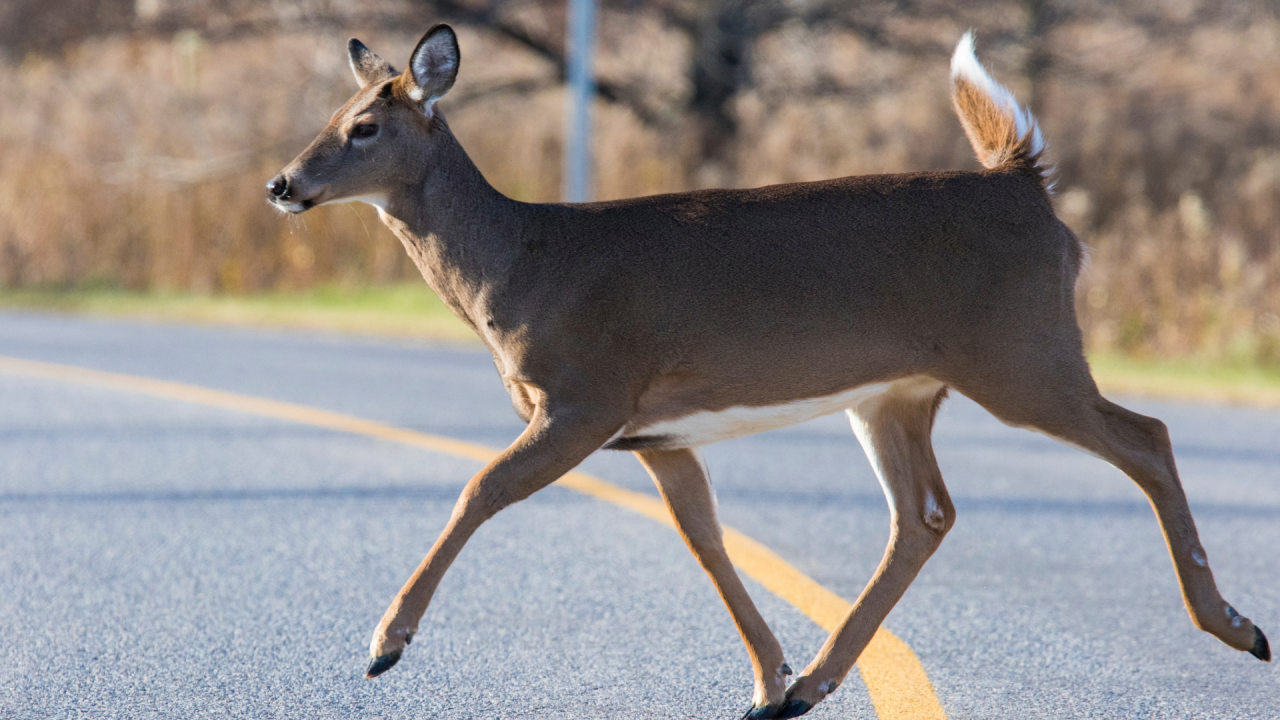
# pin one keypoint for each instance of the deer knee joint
(474, 508)
(937, 516)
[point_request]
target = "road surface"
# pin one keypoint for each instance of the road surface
(161, 558)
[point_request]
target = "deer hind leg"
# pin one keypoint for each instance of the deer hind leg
(1065, 404)
(684, 487)
(895, 430)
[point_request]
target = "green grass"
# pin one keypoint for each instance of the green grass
(405, 310)
(1189, 379)
(412, 310)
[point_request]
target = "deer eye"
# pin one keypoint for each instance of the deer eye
(364, 130)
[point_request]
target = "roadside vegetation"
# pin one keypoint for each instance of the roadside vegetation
(407, 310)
(411, 310)
(137, 135)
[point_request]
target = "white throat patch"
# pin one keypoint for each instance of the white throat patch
(377, 200)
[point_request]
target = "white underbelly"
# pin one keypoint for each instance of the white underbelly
(702, 428)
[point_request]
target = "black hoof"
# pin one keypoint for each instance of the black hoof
(382, 663)
(1261, 649)
(762, 712)
(794, 709)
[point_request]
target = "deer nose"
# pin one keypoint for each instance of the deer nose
(278, 187)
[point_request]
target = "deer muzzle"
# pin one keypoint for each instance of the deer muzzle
(283, 194)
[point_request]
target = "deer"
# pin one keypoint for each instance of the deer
(661, 324)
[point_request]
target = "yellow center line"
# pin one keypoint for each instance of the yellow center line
(895, 679)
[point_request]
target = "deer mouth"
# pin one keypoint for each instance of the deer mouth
(285, 195)
(292, 206)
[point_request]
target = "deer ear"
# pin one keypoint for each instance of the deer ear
(433, 66)
(368, 67)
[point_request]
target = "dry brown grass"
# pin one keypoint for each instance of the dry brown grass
(138, 162)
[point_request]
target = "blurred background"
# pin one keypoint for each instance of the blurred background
(136, 135)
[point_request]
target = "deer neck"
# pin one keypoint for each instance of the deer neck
(462, 233)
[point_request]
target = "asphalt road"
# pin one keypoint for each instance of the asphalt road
(165, 559)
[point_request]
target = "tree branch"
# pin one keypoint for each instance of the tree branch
(489, 17)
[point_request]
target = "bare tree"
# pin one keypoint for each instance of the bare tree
(721, 35)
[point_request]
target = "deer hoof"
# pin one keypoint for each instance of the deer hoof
(794, 709)
(382, 663)
(762, 712)
(1261, 649)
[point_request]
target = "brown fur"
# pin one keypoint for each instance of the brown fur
(993, 131)
(617, 315)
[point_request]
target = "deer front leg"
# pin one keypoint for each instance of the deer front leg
(895, 432)
(684, 487)
(552, 444)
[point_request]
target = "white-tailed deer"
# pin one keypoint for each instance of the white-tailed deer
(664, 323)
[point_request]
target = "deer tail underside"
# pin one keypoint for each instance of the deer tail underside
(1003, 133)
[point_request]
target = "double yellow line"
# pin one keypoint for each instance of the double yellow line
(894, 677)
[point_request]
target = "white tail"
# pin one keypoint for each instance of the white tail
(1002, 131)
(659, 324)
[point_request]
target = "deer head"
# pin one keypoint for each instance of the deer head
(382, 139)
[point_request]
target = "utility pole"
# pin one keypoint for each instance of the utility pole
(582, 87)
